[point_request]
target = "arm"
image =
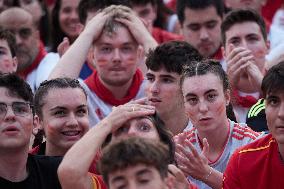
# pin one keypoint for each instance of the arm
(196, 165)
(73, 173)
(73, 59)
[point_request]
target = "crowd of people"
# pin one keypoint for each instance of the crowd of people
(125, 94)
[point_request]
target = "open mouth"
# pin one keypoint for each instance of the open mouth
(71, 133)
(11, 130)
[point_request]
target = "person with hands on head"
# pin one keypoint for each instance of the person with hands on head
(245, 46)
(203, 152)
(129, 120)
(115, 34)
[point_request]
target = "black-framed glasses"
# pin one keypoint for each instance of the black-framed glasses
(24, 33)
(22, 109)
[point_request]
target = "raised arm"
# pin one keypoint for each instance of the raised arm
(73, 171)
(73, 59)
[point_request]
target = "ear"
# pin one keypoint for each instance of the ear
(267, 43)
(227, 97)
(37, 124)
(15, 63)
(223, 51)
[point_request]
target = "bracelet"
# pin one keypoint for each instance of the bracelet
(210, 172)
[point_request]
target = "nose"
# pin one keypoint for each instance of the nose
(10, 115)
(281, 111)
(244, 44)
(116, 55)
(74, 15)
(154, 87)
(132, 130)
(72, 121)
(19, 40)
(203, 107)
(204, 33)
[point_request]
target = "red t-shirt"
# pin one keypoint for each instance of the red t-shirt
(257, 165)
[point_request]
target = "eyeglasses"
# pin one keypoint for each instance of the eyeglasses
(19, 108)
(24, 33)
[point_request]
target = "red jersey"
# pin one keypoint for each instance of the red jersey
(257, 165)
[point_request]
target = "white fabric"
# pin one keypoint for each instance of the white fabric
(43, 70)
(239, 135)
(98, 106)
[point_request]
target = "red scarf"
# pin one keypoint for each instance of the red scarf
(41, 54)
(106, 95)
(244, 101)
(218, 55)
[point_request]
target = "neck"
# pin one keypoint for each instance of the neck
(176, 122)
(216, 139)
(52, 150)
(118, 92)
(13, 164)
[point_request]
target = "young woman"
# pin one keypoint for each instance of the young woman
(129, 120)
(206, 92)
(61, 105)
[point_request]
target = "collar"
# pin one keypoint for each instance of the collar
(218, 55)
(244, 101)
(41, 54)
(94, 83)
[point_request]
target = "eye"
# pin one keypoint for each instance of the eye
(106, 49)
(192, 101)
(60, 113)
(235, 42)
(144, 127)
(150, 78)
(273, 101)
(167, 80)
(82, 112)
(194, 27)
(211, 25)
(2, 52)
(211, 97)
(20, 108)
(126, 49)
(121, 130)
(3, 108)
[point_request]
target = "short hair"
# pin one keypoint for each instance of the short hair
(142, 2)
(17, 87)
(239, 16)
(86, 6)
(164, 133)
(204, 67)
(133, 151)
(46, 86)
(273, 81)
(8, 36)
(198, 5)
(172, 56)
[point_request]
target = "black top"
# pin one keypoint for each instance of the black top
(42, 174)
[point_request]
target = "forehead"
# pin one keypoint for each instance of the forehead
(4, 44)
(243, 29)
(7, 96)
(200, 15)
(202, 83)
(162, 73)
(120, 36)
(16, 19)
(69, 3)
(65, 96)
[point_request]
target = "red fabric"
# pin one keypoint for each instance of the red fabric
(244, 101)
(257, 165)
(106, 95)
(98, 182)
(34, 150)
(218, 55)
(41, 54)
(172, 5)
(270, 8)
(162, 36)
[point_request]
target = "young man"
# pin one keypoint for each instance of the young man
(18, 169)
(8, 60)
(34, 64)
(261, 163)
(244, 47)
(200, 22)
(165, 65)
(144, 164)
(115, 35)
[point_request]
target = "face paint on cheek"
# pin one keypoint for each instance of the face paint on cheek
(221, 108)
(51, 130)
(101, 62)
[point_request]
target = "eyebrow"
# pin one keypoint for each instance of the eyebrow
(192, 94)
(161, 76)
(64, 108)
(143, 171)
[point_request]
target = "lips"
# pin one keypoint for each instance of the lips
(154, 101)
(11, 130)
(71, 133)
